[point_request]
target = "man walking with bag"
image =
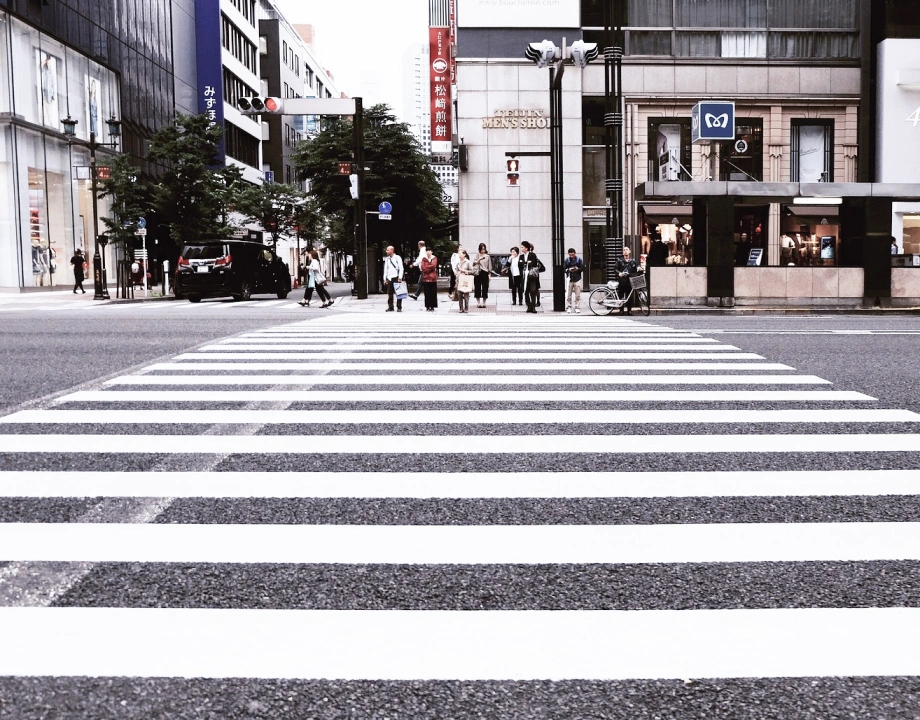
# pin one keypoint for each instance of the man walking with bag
(393, 272)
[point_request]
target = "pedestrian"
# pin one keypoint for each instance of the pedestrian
(573, 268)
(452, 283)
(393, 272)
(465, 281)
(418, 269)
(319, 279)
(625, 267)
(657, 253)
(531, 267)
(430, 279)
(482, 266)
(78, 262)
(515, 278)
(309, 284)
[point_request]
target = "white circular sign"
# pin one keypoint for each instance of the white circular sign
(741, 147)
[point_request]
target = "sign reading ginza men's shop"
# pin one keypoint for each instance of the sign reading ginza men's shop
(517, 120)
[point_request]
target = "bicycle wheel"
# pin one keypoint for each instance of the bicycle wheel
(644, 305)
(598, 301)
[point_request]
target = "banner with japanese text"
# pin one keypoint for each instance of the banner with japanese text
(441, 122)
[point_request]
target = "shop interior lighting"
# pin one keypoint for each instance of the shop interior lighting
(817, 201)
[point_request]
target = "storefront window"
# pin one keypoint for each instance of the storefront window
(593, 173)
(669, 149)
(809, 236)
(751, 236)
(812, 151)
(741, 159)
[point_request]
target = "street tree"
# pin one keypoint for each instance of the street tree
(130, 199)
(192, 193)
(400, 175)
(274, 206)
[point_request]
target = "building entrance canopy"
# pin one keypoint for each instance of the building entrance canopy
(679, 191)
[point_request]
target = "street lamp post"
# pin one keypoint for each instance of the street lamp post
(100, 288)
(546, 54)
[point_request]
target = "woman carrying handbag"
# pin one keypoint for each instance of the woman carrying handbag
(309, 286)
(464, 281)
(430, 280)
(319, 279)
(482, 266)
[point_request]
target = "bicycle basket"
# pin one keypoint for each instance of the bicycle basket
(637, 282)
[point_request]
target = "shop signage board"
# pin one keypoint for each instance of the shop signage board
(441, 103)
(713, 120)
(754, 257)
(519, 14)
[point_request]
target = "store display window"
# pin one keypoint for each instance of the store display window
(809, 236)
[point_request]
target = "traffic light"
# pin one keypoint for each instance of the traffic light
(584, 52)
(542, 53)
(353, 179)
(513, 172)
(257, 105)
(345, 168)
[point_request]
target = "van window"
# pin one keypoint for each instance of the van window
(267, 254)
(204, 252)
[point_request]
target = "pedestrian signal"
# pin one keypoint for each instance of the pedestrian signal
(513, 172)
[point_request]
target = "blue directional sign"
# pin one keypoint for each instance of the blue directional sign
(385, 208)
(142, 223)
(713, 120)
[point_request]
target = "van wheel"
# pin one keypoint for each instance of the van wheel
(194, 298)
(245, 291)
(283, 294)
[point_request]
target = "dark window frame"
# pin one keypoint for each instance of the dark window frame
(795, 126)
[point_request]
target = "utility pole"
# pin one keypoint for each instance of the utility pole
(613, 131)
(361, 272)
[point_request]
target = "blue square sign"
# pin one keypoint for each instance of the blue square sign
(713, 120)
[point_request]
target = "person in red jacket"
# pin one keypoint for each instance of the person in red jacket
(430, 280)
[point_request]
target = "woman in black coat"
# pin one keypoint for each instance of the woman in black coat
(531, 267)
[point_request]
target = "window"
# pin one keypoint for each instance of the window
(812, 149)
(237, 44)
(669, 149)
(234, 88)
(741, 159)
(592, 114)
(241, 145)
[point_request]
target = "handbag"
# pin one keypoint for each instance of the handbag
(465, 283)
(400, 289)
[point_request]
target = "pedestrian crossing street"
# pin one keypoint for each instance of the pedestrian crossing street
(410, 506)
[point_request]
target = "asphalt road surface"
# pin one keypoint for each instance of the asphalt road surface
(263, 511)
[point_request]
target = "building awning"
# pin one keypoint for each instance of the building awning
(680, 191)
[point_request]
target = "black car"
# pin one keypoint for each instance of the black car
(239, 268)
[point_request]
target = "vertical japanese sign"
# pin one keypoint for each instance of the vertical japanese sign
(441, 123)
(210, 70)
(453, 41)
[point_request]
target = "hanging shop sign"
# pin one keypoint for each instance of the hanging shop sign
(517, 120)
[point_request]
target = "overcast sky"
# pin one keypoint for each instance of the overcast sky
(362, 42)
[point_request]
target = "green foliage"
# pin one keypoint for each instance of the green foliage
(130, 198)
(274, 206)
(400, 175)
(192, 195)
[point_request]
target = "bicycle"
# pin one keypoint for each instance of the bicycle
(605, 299)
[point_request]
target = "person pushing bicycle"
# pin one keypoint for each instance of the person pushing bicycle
(624, 267)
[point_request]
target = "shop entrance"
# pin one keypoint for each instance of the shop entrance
(750, 234)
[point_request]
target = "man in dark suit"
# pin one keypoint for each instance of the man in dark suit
(528, 262)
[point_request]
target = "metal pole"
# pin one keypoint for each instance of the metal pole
(361, 271)
(556, 180)
(100, 291)
(613, 132)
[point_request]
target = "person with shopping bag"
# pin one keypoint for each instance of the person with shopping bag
(465, 281)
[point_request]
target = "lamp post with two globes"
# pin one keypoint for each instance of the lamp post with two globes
(100, 289)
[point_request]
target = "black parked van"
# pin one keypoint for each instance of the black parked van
(239, 268)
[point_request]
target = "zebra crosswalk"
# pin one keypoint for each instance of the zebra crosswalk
(456, 520)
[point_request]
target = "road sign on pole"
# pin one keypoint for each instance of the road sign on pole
(384, 216)
(142, 223)
(385, 208)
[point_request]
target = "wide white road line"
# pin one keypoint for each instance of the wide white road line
(392, 446)
(519, 347)
(460, 544)
(406, 645)
(454, 417)
(438, 485)
(467, 380)
(452, 336)
(463, 395)
(326, 355)
(454, 367)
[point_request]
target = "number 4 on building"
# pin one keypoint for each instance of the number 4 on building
(914, 117)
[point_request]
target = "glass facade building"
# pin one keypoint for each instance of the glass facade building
(89, 62)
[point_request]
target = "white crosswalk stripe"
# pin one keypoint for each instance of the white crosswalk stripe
(400, 464)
